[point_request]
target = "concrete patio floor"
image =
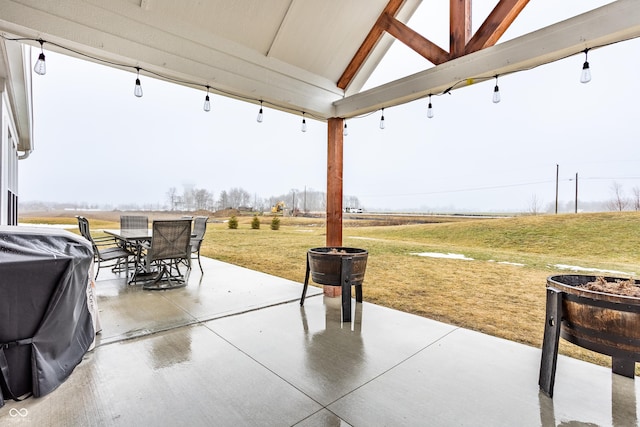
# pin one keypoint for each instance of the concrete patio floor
(234, 348)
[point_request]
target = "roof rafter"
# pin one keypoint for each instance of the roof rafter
(431, 51)
(368, 44)
(500, 18)
(608, 24)
(461, 41)
(459, 26)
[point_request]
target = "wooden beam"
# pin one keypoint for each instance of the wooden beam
(334, 181)
(459, 26)
(430, 51)
(500, 18)
(367, 45)
(614, 22)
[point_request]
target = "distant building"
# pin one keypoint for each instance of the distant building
(353, 210)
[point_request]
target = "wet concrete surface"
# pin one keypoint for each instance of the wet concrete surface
(234, 347)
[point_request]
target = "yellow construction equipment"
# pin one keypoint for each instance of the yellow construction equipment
(278, 208)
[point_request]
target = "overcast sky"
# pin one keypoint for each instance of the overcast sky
(97, 143)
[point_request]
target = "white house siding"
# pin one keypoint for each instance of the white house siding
(8, 164)
(16, 122)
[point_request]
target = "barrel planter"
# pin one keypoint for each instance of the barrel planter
(607, 323)
(337, 266)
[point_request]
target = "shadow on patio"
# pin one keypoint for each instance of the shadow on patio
(234, 347)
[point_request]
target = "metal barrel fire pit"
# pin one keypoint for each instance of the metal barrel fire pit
(337, 266)
(603, 322)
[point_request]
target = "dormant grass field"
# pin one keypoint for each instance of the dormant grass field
(500, 290)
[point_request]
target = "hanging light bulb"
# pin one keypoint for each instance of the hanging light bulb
(430, 109)
(304, 123)
(345, 132)
(207, 104)
(382, 119)
(41, 66)
(259, 118)
(137, 91)
(496, 92)
(585, 77)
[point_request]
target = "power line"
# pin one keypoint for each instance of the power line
(496, 187)
(461, 190)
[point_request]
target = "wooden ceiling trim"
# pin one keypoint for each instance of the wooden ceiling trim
(462, 41)
(368, 44)
(500, 18)
(430, 51)
(459, 27)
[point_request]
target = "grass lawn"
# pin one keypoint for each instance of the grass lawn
(499, 289)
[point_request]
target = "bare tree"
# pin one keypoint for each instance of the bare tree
(618, 202)
(636, 198)
(202, 199)
(535, 205)
(172, 197)
(223, 201)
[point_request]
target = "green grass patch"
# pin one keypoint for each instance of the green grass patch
(492, 293)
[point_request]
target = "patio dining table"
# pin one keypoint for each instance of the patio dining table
(133, 238)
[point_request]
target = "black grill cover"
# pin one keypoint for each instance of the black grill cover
(45, 323)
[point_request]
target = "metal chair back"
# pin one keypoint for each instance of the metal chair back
(170, 240)
(83, 226)
(133, 222)
(110, 252)
(197, 236)
(199, 228)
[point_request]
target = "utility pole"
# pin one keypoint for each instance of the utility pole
(576, 192)
(576, 204)
(293, 208)
(557, 174)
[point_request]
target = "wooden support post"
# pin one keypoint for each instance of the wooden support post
(459, 27)
(334, 190)
(334, 182)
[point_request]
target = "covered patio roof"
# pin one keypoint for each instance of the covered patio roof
(300, 56)
(307, 58)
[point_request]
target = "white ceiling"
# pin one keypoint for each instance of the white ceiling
(289, 53)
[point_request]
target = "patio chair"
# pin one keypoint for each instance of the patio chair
(170, 248)
(197, 236)
(104, 248)
(133, 222)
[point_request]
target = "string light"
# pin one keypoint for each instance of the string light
(430, 109)
(207, 104)
(496, 92)
(259, 118)
(41, 66)
(137, 91)
(304, 123)
(585, 77)
(345, 132)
